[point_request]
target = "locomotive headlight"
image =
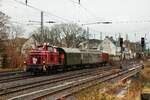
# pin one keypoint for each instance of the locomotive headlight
(43, 62)
(24, 67)
(25, 62)
(44, 66)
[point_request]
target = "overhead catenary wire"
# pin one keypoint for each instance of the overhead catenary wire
(107, 22)
(87, 10)
(27, 24)
(114, 22)
(38, 9)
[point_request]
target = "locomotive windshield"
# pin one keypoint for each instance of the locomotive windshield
(35, 59)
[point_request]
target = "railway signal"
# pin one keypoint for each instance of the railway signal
(142, 43)
(121, 42)
(26, 2)
(79, 1)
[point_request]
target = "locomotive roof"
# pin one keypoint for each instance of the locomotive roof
(70, 50)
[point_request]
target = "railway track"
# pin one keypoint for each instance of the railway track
(21, 89)
(69, 87)
(15, 78)
(68, 91)
(10, 73)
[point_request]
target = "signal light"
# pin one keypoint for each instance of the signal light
(121, 42)
(142, 42)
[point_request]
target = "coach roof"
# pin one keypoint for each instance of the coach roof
(70, 50)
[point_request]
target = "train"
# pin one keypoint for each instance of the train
(47, 58)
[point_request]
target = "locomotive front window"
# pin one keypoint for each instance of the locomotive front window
(35, 59)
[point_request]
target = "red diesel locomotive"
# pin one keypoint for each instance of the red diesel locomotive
(48, 58)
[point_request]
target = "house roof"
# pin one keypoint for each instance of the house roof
(116, 43)
(93, 43)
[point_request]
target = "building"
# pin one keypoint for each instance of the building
(134, 48)
(110, 46)
(30, 43)
(90, 44)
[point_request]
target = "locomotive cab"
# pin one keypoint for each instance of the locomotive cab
(42, 59)
(35, 62)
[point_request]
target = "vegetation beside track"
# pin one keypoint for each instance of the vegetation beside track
(9, 69)
(103, 91)
(108, 91)
(145, 74)
(145, 78)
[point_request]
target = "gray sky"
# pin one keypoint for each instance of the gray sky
(128, 16)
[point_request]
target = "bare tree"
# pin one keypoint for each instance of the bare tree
(10, 43)
(13, 46)
(47, 36)
(3, 29)
(4, 19)
(3, 26)
(70, 34)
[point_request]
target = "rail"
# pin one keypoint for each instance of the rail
(79, 84)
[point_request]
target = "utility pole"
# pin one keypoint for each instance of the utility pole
(42, 26)
(127, 40)
(94, 36)
(101, 37)
(116, 43)
(88, 36)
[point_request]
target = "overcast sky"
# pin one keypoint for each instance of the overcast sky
(128, 16)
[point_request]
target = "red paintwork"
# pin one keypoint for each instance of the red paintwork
(43, 56)
(49, 57)
(62, 56)
(105, 57)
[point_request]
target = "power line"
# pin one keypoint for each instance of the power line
(104, 22)
(27, 24)
(132, 21)
(42, 10)
(87, 10)
(118, 22)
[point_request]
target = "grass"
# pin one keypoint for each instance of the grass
(145, 78)
(134, 90)
(145, 74)
(103, 91)
(107, 91)
(9, 69)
